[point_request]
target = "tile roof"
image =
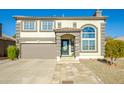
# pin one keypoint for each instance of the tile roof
(5, 37)
(61, 17)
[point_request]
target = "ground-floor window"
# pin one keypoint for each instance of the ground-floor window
(88, 44)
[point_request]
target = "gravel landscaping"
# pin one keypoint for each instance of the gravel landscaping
(108, 74)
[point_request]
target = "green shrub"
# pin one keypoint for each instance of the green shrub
(114, 49)
(12, 52)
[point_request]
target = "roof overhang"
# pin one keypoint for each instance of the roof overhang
(59, 18)
(7, 38)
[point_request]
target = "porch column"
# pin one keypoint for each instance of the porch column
(58, 41)
(77, 44)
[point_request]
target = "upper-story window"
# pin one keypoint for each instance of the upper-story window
(47, 25)
(88, 32)
(29, 25)
(88, 38)
(59, 24)
(74, 25)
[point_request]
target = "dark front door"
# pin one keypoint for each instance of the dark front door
(65, 47)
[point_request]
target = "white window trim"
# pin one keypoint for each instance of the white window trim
(89, 38)
(59, 23)
(35, 25)
(75, 24)
(41, 25)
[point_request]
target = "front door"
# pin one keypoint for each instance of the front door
(65, 47)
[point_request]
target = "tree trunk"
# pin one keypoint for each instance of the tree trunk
(111, 61)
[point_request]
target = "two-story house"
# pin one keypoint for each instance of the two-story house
(56, 37)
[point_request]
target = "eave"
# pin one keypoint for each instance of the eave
(59, 18)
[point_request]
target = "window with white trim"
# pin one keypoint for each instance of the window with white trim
(88, 38)
(29, 25)
(47, 25)
(59, 25)
(74, 25)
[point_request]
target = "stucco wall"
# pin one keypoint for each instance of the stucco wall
(68, 23)
(37, 34)
(81, 23)
(64, 23)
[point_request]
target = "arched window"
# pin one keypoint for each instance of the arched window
(88, 38)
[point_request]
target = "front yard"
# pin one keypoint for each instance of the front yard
(47, 71)
(108, 74)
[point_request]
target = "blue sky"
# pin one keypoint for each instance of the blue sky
(114, 24)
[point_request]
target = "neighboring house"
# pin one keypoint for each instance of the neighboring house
(55, 37)
(5, 41)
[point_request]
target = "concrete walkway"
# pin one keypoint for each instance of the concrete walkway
(69, 73)
(27, 71)
(67, 60)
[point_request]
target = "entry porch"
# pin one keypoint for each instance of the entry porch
(68, 42)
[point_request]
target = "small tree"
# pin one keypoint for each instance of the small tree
(114, 49)
(12, 52)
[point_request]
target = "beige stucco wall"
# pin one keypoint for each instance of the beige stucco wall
(68, 23)
(80, 23)
(37, 34)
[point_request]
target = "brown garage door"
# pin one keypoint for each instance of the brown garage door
(43, 51)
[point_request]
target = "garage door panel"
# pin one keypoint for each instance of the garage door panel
(43, 51)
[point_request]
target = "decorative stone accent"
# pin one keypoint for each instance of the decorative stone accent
(77, 41)
(102, 39)
(77, 45)
(18, 28)
(58, 41)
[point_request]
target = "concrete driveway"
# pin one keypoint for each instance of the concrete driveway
(45, 72)
(27, 71)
